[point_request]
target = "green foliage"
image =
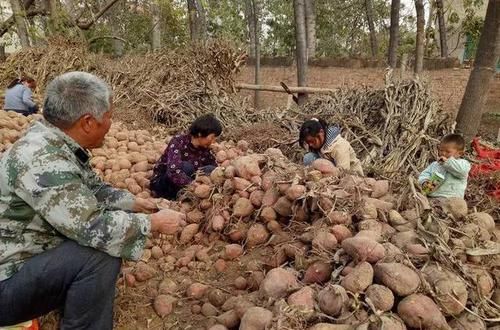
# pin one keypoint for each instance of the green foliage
(227, 21)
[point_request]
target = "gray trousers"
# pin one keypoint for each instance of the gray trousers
(80, 281)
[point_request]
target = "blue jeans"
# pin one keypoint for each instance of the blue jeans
(310, 157)
(78, 280)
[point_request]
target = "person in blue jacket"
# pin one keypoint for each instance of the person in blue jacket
(447, 177)
(19, 96)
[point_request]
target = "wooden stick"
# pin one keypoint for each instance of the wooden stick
(271, 88)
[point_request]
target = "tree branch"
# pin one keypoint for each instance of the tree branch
(6, 25)
(87, 25)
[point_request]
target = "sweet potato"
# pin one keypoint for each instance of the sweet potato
(359, 278)
(216, 297)
(202, 191)
(188, 233)
(241, 184)
(451, 291)
(330, 326)
(217, 176)
(483, 281)
(167, 286)
(268, 180)
(401, 279)
(403, 238)
(456, 207)
(277, 283)
(270, 197)
(341, 232)
(324, 241)
(380, 188)
(363, 249)
(256, 318)
(229, 319)
(144, 272)
(196, 290)
(229, 172)
(233, 251)
(373, 235)
(325, 166)
(319, 272)
(339, 218)
(386, 321)
(257, 234)
(420, 312)
(163, 305)
(303, 299)
(467, 321)
(256, 198)
(243, 207)
(332, 300)
(209, 310)
(195, 216)
(246, 167)
(282, 207)
(218, 223)
(268, 214)
(295, 192)
(379, 204)
(380, 297)
(483, 219)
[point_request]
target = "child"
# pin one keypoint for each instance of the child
(447, 177)
(186, 154)
(325, 142)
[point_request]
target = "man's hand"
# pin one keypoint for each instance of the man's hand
(143, 205)
(167, 221)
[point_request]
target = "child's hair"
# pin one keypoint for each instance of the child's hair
(311, 127)
(456, 139)
(205, 125)
(19, 81)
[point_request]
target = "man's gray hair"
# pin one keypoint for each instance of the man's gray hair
(74, 94)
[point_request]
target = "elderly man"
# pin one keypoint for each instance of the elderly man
(63, 231)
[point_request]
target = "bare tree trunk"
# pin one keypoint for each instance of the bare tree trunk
(3, 57)
(310, 12)
(249, 14)
(258, 26)
(487, 56)
(419, 48)
(442, 29)
(19, 18)
(371, 27)
(197, 20)
(394, 33)
(156, 33)
(429, 30)
(301, 46)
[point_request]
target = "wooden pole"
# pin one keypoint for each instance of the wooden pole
(300, 46)
(279, 89)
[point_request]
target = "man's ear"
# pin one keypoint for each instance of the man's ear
(87, 123)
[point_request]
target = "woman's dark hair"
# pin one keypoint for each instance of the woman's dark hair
(205, 125)
(311, 127)
(20, 80)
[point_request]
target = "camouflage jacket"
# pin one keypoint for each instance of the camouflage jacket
(49, 193)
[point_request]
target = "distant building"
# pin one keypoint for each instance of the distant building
(460, 45)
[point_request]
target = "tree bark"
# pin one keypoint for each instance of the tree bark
(487, 56)
(250, 19)
(20, 21)
(394, 33)
(301, 47)
(310, 13)
(371, 27)
(429, 30)
(258, 25)
(443, 40)
(88, 24)
(156, 30)
(3, 57)
(197, 20)
(419, 48)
